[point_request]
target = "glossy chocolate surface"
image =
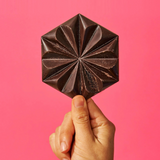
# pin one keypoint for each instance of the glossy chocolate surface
(80, 57)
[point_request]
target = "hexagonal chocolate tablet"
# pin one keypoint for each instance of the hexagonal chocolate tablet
(80, 57)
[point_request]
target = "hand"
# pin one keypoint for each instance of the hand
(85, 133)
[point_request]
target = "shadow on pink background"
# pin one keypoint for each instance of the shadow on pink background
(31, 110)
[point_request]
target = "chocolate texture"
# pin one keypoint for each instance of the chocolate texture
(80, 57)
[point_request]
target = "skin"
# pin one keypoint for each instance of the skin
(85, 133)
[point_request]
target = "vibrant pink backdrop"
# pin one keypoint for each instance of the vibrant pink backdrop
(31, 110)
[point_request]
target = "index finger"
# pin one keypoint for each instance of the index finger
(94, 110)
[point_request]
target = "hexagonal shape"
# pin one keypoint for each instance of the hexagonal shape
(80, 57)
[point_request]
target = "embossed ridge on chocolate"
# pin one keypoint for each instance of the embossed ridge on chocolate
(80, 57)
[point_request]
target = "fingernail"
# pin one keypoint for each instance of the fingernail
(78, 102)
(63, 146)
(64, 159)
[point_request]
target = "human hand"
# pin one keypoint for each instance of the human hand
(85, 133)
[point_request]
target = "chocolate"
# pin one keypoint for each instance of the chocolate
(80, 57)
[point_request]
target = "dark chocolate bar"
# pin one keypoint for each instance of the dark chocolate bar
(80, 57)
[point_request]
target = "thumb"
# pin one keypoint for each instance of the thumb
(81, 119)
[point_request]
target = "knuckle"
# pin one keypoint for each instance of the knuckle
(113, 127)
(82, 118)
(51, 137)
(109, 126)
(104, 124)
(67, 115)
(63, 134)
(57, 129)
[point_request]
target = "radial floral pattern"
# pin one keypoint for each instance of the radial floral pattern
(80, 57)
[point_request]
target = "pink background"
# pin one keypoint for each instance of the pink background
(31, 110)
